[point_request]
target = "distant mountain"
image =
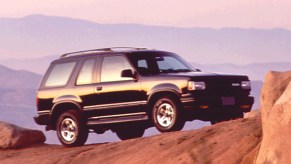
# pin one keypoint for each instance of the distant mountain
(38, 36)
(18, 79)
(37, 65)
(17, 88)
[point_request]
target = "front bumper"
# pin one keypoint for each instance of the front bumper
(217, 103)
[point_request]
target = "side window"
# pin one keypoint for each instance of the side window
(142, 67)
(142, 63)
(112, 67)
(60, 74)
(86, 73)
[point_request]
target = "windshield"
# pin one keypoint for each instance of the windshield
(159, 62)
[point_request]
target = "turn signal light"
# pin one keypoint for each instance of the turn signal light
(203, 106)
(196, 85)
(246, 85)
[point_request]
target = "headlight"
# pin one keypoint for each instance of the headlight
(246, 85)
(196, 85)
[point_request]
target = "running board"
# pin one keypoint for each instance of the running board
(117, 118)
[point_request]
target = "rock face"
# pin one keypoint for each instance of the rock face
(227, 142)
(276, 119)
(12, 136)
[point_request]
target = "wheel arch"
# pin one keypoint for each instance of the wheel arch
(165, 89)
(162, 93)
(60, 108)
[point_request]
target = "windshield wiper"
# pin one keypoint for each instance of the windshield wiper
(183, 70)
(175, 70)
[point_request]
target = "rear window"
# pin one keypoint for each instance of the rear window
(60, 74)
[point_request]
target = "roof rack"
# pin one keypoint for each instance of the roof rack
(111, 49)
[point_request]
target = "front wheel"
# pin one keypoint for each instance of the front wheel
(166, 116)
(71, 129)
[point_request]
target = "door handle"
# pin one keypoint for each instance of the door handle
(99, 88)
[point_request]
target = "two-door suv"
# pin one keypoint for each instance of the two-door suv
(128, 90)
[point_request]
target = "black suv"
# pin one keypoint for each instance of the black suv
(128, 90)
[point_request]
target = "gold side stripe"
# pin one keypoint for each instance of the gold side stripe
(119, 115)
(115, 105)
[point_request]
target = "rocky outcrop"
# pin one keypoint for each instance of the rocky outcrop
(227, 142)
(12, 136)
(276, 119)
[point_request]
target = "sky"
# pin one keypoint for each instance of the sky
(178, 13)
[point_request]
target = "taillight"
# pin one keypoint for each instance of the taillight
(36, 100)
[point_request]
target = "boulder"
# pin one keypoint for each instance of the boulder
(252, 113)
(12, 136)
(276, 119)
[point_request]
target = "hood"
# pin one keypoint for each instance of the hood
(209, 75)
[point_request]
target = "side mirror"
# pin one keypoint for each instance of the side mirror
(127, 73)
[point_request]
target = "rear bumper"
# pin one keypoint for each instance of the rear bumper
(43, 119)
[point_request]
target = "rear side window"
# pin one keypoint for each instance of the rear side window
(60, 74)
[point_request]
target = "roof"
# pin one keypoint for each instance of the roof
(102, 50)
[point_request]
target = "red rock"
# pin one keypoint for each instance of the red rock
(276, 119)
(12, 136)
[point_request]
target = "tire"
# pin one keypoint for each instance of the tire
(166, 116)
(71, 129)
(129, 132)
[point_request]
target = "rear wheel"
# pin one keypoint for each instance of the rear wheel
(166, 116)
(71, 129)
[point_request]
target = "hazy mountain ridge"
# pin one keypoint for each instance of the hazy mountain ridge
(17, 95)
(36, 65)
(39, 35)
(18, 79)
